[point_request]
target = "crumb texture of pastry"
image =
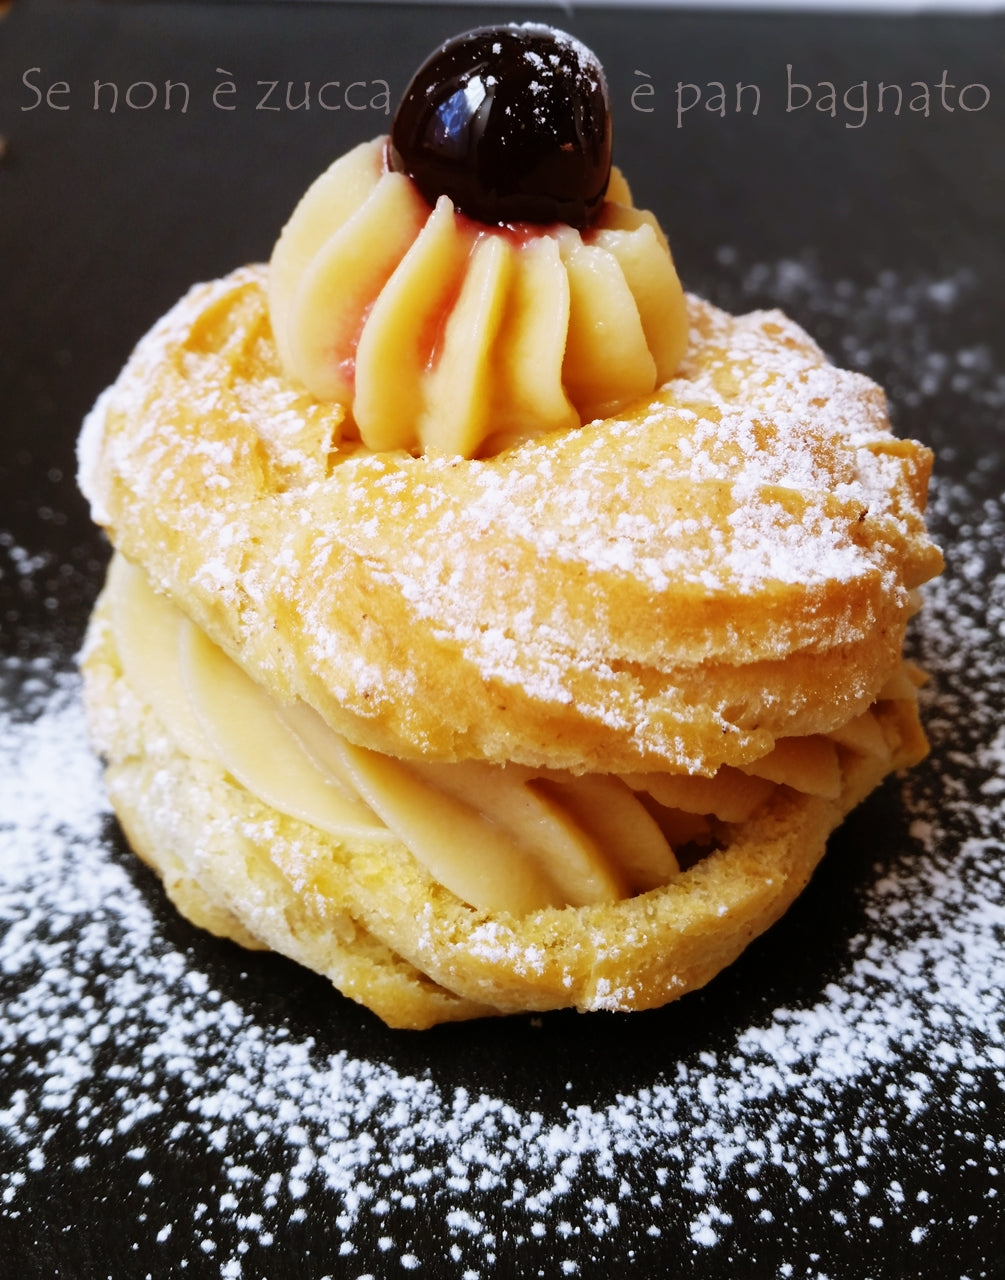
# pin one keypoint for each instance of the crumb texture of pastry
(728, 562)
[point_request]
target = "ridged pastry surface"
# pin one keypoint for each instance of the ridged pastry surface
(728, 561)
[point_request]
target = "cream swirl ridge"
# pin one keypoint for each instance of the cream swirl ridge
(446, 335)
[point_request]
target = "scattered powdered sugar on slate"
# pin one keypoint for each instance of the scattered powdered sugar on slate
(902, 326)
(116, 1046)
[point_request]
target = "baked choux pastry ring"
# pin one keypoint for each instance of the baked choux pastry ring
(492, 626)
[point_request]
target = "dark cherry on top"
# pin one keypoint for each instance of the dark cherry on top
(512, 123)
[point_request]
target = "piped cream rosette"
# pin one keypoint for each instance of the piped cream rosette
(446, 335)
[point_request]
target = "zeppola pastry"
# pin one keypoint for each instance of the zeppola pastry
(492, 627)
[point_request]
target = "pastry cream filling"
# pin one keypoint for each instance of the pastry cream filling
(502, 838)
(443, 334)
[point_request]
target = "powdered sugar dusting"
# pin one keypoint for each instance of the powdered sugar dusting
(124, 1046)
(577, 576)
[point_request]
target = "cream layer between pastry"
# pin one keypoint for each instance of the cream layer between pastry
(502, 838)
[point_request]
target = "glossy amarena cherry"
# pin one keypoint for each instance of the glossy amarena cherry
(512, 123)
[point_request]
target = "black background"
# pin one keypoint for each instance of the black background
(106, 219)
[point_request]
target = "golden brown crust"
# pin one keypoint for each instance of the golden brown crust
(373, 921)
(673, 589)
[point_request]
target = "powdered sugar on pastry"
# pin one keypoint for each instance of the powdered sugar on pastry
(668, 588)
